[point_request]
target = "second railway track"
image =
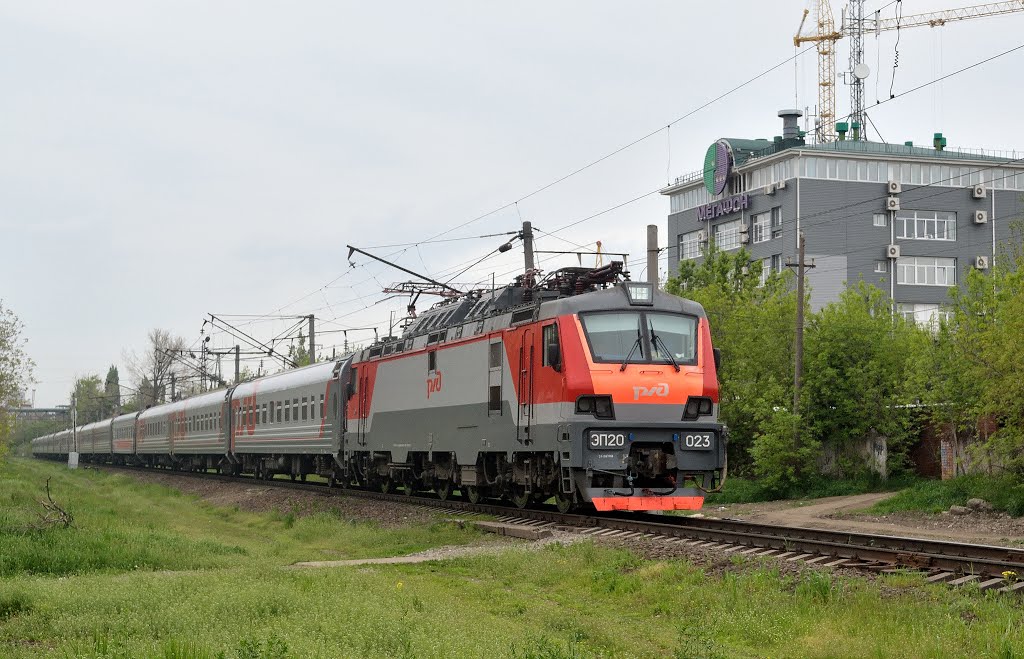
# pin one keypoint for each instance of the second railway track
(955, 563)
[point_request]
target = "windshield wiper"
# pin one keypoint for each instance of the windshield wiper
(655, 339)
(636, 344)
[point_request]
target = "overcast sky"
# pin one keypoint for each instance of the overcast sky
(163, 160)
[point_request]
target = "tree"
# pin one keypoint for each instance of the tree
(15, 371)
(154, 368)
(751, 324)
(299, 355)
(859, 371)
(112, 392)
(89, 399)
(979, 355)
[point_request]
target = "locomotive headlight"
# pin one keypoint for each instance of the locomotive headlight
(599, 406)
(697, 406)
(639, 292)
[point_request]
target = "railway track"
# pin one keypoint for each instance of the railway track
(952, 563)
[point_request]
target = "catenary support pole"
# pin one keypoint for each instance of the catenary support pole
(528, 247)
(238, 363)
(652, 253)
(312, 340)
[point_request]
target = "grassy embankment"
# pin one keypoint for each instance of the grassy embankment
(1004, 493)
(148, 572)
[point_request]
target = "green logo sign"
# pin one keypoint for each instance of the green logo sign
(717, 167)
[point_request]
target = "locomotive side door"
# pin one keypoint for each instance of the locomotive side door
(525, 388)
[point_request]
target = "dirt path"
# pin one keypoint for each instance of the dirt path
(847, 514)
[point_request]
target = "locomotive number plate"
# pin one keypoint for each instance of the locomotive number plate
(607, 439)
(697, 441)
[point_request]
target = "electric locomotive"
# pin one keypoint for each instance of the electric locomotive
(580, 387)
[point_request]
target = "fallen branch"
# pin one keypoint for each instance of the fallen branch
(55, 515)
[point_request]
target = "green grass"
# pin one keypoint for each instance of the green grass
(578, 601)
(1004, 493)
(124, 525)
(742, 490)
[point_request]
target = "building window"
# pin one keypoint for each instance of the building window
(926, 225)
(761, 226)
(880, 220)
(689, 245)
(881, 266)
(727, 235)
(777, 222)
(925, 315)
(926, 271)
(770, 265)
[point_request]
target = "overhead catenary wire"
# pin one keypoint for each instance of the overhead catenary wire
(578, 170)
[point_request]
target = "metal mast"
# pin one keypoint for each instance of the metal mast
(856, 79)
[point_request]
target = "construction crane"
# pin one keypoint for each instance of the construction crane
(825, 39)
(856, 26)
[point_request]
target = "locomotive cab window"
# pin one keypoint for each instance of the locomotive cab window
(552, 353)
(432, 360)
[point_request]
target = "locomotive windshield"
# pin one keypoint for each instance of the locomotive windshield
(674, 335)
(641, 337)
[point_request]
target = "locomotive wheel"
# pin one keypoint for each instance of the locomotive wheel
(443, 489)
(409, 486)
(520, 497)
(564, 502)
(472, 494)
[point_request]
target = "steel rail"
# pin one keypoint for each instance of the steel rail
(876, 551)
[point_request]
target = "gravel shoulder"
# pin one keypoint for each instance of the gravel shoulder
(849, 514)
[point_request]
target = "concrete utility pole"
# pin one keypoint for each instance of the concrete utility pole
(312, 340)
(652, 254)
(238, 363)
(173, 383)
(528, 247)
